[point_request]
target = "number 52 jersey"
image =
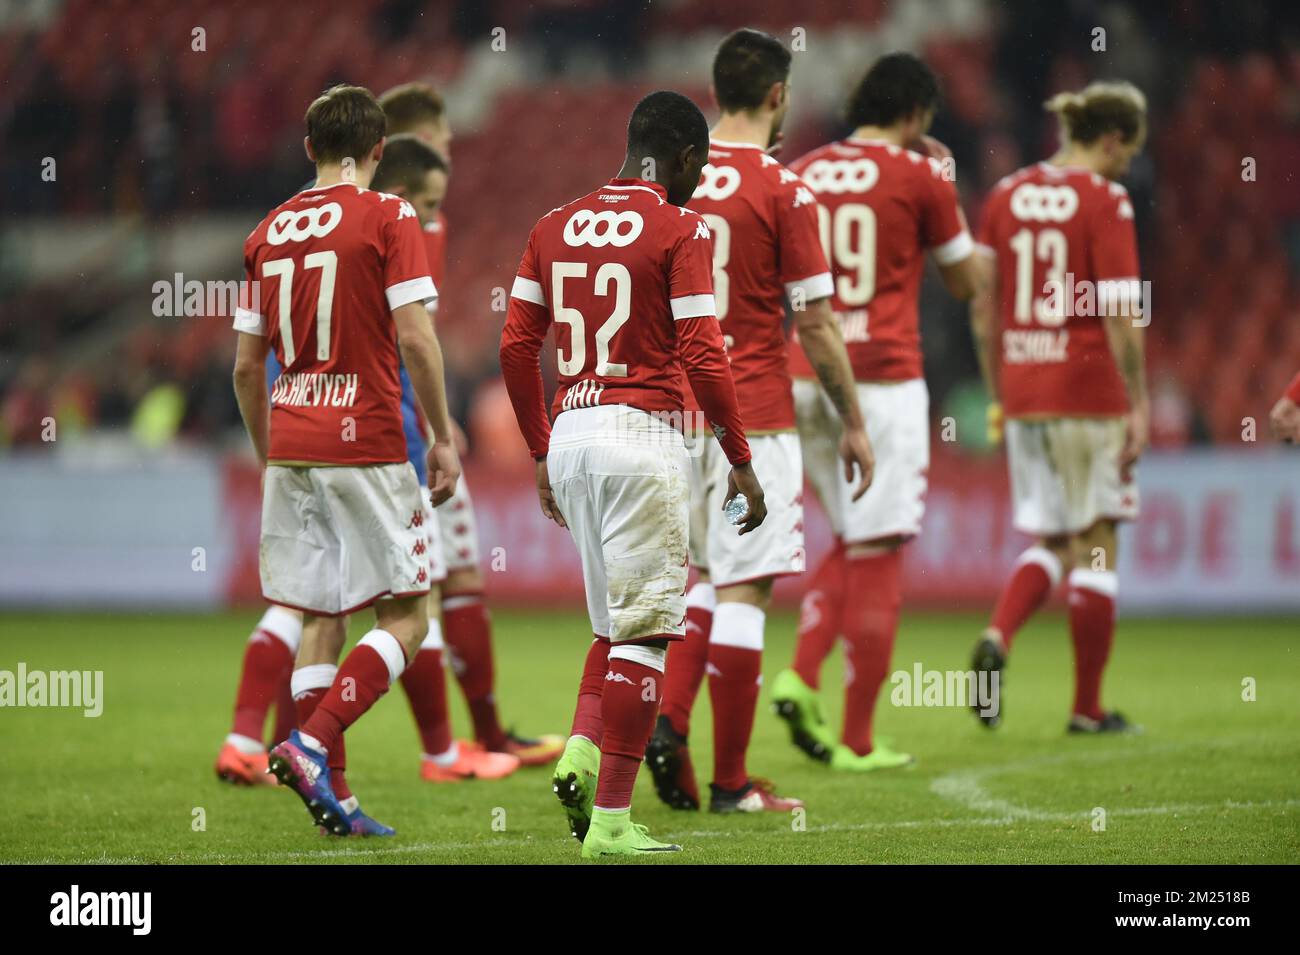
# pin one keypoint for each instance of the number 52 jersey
(324, 272)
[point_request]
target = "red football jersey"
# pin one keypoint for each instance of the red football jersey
(331, 265)
(1063, 238)
(626, 278)
(766, 246)
(882, 208)
(435, 245)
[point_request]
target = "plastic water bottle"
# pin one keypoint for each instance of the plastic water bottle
(736, 508)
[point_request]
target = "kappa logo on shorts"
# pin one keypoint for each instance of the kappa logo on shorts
(419, 549)
(417, 520)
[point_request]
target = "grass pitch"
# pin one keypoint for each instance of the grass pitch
(1214, 779)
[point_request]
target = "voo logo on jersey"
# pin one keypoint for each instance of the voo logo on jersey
(836, 176)
(1034, 203)
(717, 182)
(598, 229)
(303, 224)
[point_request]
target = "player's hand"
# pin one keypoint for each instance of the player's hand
(1284, 419)
(856, 453)
(993, 423)
(547, 496)
(444, 471)
(743, 480)
(1137, 430)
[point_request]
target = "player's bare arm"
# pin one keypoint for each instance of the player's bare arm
(962, 279)
(1126, 339)
(422, 356)
(250, 390)
(823, 343)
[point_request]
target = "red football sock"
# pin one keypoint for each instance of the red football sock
(305, 705)
(469, 637)
(587, 717)
(366, 674)
(268, 661)
(628, 713)
(286, 712)
(426, 690)
(1092, 630)
(873, 594)
(1037, 573)
(735, 670)
(819, 616)
(687, 659)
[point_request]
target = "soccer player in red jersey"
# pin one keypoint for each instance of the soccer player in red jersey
(341, 284)
(1285, 416)
(766, 249)
(625, 275)
(1063, 303)
(418, 109)
(887, 198)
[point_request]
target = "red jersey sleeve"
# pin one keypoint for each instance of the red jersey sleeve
(699, 338)
(527, 320)
(406, 263)
(248, 313)
(1293, 389)
(943, 224)
(1112, 244)
(802, 261)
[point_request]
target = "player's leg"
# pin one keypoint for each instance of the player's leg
(268, 662)
(1106, 499)
(372, 519)
(743, 570)
(668, 755)
(689, 656)
(626, 507)
(876, 528)
(424, 681)
(1038, 509)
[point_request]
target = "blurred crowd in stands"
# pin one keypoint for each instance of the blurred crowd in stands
(157, 111)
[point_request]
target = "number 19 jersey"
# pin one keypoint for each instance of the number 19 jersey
(882, 208)
(329, 267)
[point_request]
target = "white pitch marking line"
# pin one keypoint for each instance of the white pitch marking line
(1172, 809)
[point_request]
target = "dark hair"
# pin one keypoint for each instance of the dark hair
(896, 85)
(746, 65)
(411, 104)
(406, 161)
(665, 122)
(1101, 108)
(344, 122)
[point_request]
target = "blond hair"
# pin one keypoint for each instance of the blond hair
(1100, 108)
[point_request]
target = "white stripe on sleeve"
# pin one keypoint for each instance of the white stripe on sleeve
(955, 249)
(814, 287)
(250, 322)
(526, 290)
(693, 306)
(412, 290)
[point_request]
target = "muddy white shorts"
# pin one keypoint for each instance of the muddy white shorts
(1065, 474)
(898, 424)
(619, 477)
(458, 530)
(336, 539)
(776, 547)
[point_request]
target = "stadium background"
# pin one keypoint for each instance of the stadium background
(125, 478)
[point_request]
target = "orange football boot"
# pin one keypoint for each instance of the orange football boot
(472, 762)
(243, 769)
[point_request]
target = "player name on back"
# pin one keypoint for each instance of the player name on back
(315, 389)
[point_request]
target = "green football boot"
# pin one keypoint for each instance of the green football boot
(615, 834)
(797, 703)
(881, 757)
(574, 782)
